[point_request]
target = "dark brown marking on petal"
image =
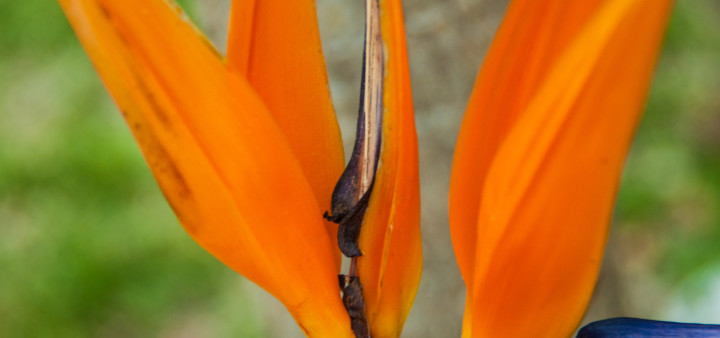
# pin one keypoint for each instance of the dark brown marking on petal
(178, 192)
(139, 79)
(165, 166)
(303, 329)
(155, 106)
(172, 183)
(157, 109)
(104, 11)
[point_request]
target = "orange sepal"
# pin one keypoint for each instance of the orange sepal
(276, 45)
(539, 206)
(220, 159)
(525, 47)
(391, 264)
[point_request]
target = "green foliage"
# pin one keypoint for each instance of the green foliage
(88, 246)
(671, 191)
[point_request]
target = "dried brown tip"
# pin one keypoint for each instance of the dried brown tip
(355, 305)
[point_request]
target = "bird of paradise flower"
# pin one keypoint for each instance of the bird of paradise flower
(539, 156)
(247, 152)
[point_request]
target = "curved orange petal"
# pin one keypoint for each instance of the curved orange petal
(275, 44)
(522, 52)
(391, 264)
(519, 58)
(220, 159)
(538, 220)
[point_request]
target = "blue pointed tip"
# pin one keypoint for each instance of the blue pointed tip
(640, 328)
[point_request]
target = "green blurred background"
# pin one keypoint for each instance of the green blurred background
(88, 247)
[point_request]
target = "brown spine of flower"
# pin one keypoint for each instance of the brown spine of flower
(352, 192)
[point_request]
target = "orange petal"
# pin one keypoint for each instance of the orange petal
(275, 44)
(391, 264)
(220, 159)
(522, 53)
(514, 68)
(539, 158)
